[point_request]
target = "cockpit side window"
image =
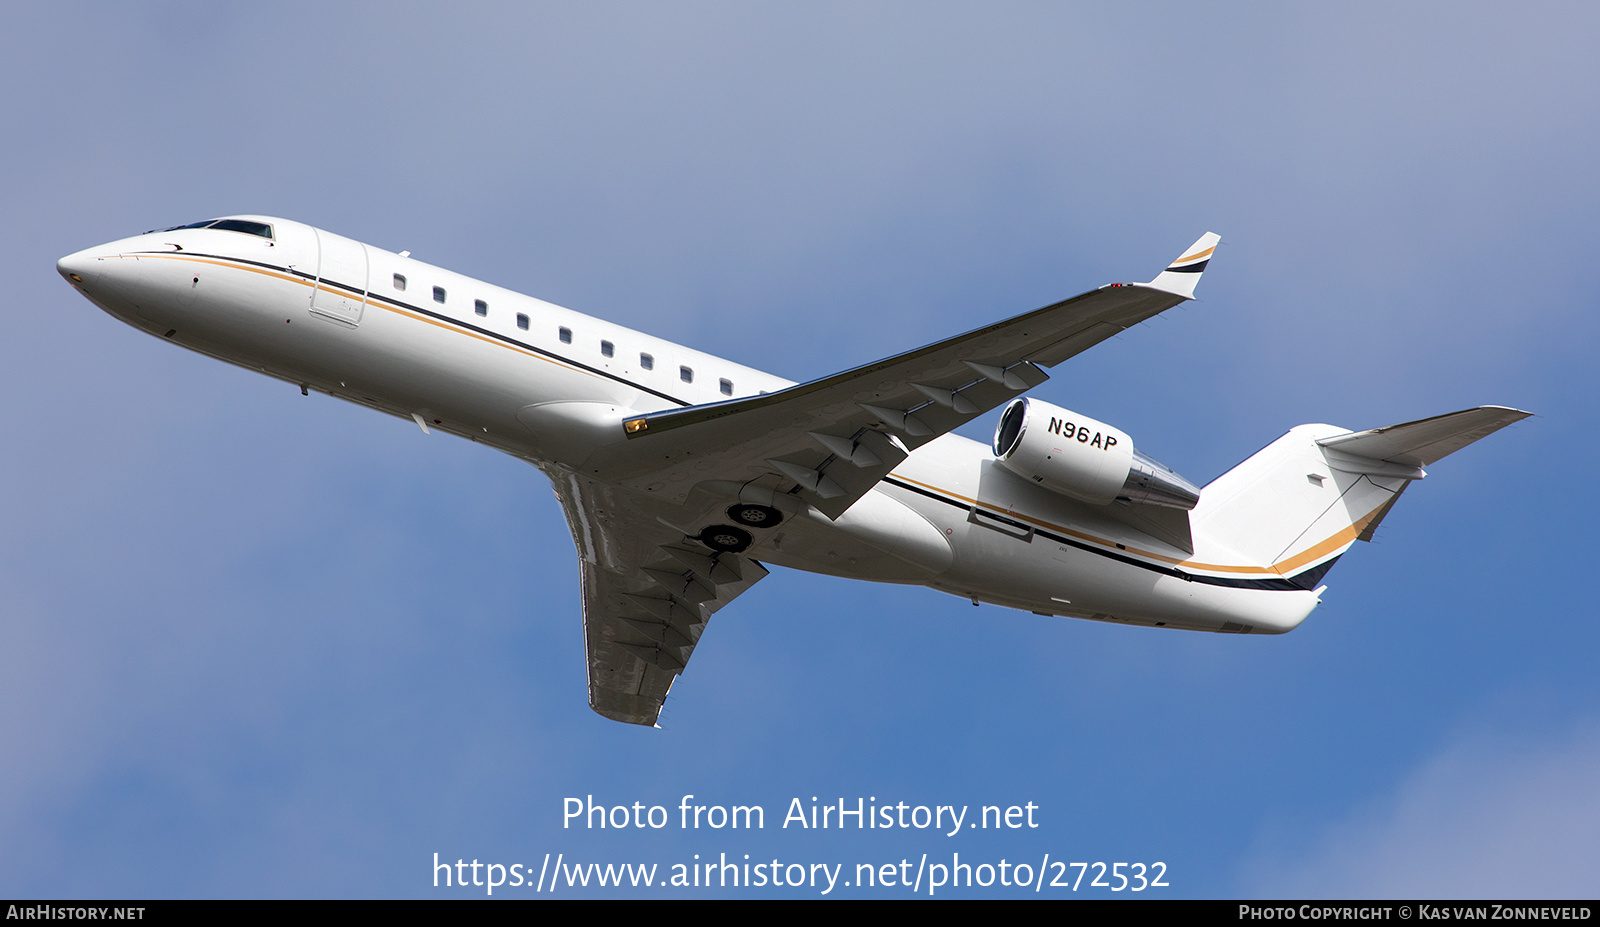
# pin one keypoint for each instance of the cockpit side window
(246, 226)
(227, 225)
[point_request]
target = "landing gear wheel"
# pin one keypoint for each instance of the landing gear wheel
(755, 516)
(726, 538)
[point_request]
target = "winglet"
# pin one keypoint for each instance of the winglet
(1181, 275)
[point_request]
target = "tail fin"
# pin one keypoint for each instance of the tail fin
(1299, 503)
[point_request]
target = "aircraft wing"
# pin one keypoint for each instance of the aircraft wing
(647, 595)
(830, 440)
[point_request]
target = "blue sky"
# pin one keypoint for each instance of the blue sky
(262, 645)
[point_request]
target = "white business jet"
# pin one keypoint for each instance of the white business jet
(681, 473)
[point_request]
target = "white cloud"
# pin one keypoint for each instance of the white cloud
(1489, 817)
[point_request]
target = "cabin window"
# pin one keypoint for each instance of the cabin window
(438, 294)
(480, 307)
(607, 349)
(522, 321)
(400, 282)
(685, 374)
(565, 335)
(647, 362)
(727, 387)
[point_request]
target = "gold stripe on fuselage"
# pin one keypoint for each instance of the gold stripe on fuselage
(1281, 568)
(372, 299)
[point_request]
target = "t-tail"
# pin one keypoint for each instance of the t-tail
(1299, 503)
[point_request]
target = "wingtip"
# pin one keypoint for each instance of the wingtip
(1182, 275)
(1516, 415)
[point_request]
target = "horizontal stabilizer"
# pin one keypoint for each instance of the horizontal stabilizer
(1420, 443)
(1182, 275)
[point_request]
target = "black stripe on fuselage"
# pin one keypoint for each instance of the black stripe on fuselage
(1300, 582)
(369, 296)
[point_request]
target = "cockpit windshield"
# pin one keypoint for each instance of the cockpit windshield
(227, 225)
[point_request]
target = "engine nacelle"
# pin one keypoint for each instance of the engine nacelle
(1088, 460)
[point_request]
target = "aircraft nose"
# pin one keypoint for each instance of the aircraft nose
(81, 269)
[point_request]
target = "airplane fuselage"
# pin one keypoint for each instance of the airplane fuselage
(552, 386)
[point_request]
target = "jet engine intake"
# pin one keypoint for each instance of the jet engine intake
(1090, 461)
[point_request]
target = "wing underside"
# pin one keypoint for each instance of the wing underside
(666, 522)
(648, 591)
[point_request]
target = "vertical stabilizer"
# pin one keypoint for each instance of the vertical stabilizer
(1301, 501)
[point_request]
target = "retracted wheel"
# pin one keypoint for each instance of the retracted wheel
(726, 538)
(755, 516)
